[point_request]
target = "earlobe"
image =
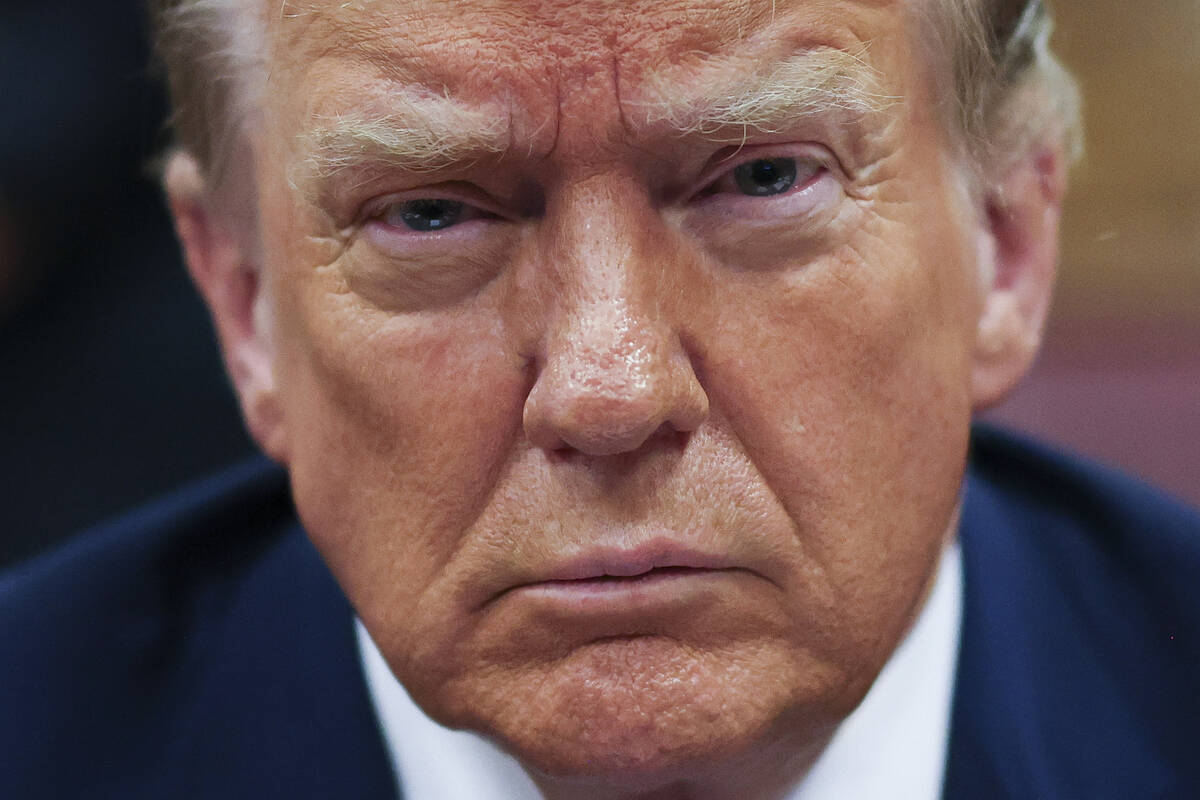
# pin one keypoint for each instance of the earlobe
(1019, 248)
(219, 263)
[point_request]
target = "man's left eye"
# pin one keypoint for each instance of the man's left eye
(767, 177)
(426, 215)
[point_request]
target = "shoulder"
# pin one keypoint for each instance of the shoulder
(1081, 510)
(1081, 615)
(1054, 481)
(1117, 550)
(199, 648)
(102, 642)
(143, 565)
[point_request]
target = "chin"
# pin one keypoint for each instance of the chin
(641, 712)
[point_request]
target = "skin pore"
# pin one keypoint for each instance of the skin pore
(530, 296)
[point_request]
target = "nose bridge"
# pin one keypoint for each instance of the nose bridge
(612, 370)
(601, 244)
(610, 315)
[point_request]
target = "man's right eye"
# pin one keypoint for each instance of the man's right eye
(426, 215)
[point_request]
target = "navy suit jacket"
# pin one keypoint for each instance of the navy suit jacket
(200, 649)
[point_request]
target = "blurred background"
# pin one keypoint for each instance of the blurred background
(1119, 376)
(111, 390)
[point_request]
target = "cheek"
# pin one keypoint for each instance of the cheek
(848, 384)
(399, 426)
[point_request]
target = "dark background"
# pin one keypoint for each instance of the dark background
(111, 390)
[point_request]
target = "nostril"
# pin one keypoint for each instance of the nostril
(667, 436)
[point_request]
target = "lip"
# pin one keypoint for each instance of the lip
(630, 563)
(612, 572)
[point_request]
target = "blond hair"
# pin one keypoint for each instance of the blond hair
(1003, 87)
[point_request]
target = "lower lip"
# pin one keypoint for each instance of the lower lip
(655, 588)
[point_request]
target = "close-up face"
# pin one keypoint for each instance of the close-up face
(621, 356)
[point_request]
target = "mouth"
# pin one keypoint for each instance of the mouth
(634, 564)
(606, 582)
(608, 579)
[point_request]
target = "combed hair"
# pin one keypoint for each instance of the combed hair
(206, 48)
(1003, 86)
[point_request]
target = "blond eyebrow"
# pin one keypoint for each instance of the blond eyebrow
(417, 134)
(732, 104)
(429, 132)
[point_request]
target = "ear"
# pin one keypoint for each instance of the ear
(1020, 251)
(220, 256)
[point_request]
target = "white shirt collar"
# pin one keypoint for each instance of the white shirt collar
(893, 745)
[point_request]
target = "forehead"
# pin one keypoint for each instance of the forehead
(475, 49)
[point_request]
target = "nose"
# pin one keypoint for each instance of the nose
(611, 380)
(613, 370)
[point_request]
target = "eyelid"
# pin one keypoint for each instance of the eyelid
(720, 166)
(469, 196)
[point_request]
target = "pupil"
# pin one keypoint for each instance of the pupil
(766, 176)
(430, 215)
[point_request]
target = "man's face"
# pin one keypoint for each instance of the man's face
(567, 290)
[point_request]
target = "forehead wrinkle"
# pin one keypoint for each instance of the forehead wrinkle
(432, 131)
(386, 38)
